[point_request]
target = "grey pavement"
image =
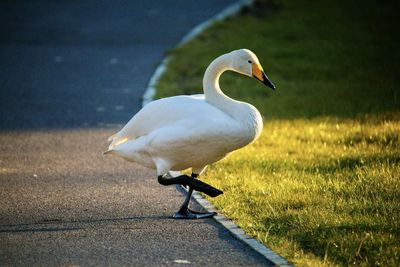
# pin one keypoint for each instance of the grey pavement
(85, 63)
(67, 68)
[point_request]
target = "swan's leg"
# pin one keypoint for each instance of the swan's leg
(193, 183)
(186, 213)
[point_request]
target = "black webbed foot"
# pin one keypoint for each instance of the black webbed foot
(193, 184)
(191, 214)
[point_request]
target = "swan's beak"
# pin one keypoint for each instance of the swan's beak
(259, 74)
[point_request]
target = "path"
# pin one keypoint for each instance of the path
(67, 69)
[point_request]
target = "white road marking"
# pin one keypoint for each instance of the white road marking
(182, 261)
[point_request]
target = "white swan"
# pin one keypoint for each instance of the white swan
(181, 132)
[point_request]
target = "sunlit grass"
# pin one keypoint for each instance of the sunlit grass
(318, 191)
(321, 185)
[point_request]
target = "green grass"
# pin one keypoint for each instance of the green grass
(318, 191)
(326, 58)
(321, 185)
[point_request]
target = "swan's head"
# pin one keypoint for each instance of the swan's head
(246, 62)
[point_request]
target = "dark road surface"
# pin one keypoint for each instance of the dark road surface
(85, 63)
(68, 68)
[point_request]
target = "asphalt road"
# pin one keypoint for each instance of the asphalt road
(85, 63)
(66, 70)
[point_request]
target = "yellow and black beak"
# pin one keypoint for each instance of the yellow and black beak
(259, 74)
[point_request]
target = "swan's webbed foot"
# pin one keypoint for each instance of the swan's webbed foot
(193, 184)
(191, 214)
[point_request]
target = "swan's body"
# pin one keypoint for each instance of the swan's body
(182, 132)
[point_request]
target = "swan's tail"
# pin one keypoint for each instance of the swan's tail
(111, 138)
(110, 151)
(116, 140)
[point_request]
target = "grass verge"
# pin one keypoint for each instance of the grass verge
(321, 185)
(319, 192)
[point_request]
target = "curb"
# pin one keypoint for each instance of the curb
(235, 230)
(240, 234)
(227, 12)
(148, 96)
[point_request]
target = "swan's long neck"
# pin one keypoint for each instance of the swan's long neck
(241, 112)
(211, 87)
(213, 92)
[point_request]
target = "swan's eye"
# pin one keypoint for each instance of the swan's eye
(249, 61)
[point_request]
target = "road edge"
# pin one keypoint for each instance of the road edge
(229, 11)
(148, 96)
(239, 233)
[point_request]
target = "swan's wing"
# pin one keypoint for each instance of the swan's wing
(195, 144)
(219, 131)
(163, 113)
